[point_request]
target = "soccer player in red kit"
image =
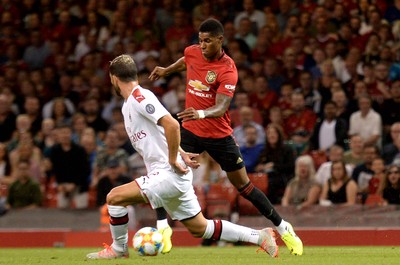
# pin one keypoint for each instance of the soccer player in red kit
(210, 85)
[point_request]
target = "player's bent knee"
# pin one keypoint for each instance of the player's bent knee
(113, 198)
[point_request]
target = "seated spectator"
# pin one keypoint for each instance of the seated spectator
(46, 137)
(276, 119)
(390, 107)
(110, 151)
(391, 151)
(363, 172)
(302, 190)
(5, 165)
(27, 150)
(33, 109)
(7, 118)
(366, 122)
(246, 118)
(342, 103)
(330, 130)
(69, 164)
(339, 189)
(112, 178)
(302, 118)
(251, 150)
(278, 162)
(324, 171)
(91, 109)
(354, 156)
(24, 192)
(285, 100)
(378, 167)
(390, 186)
(242, 99)
(263, 98)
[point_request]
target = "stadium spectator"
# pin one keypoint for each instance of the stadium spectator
(390, 107)
(68, 163)
(5, 165)
(363, 172)
(391, 151)
(110, 151)
(335, 153)
(354, 156)
(240, 100)
(311, 96)
(302, 190)
(91, 109)
(256, 17)
(246, 118)
(302, 119)
(277, 161)
(251, 150)
(24, 192)
(328, 131)
(390, 188)
(7, 118)
(342, 110)
(25, 149)
(112, 178)
(378, 169)
(340, 188)
(366, 122)
(32, 108)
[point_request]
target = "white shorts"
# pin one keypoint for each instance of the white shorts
(164, 188)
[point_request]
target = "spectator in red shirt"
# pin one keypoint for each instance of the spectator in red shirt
(302, 119)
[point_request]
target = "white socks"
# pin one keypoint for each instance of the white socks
(119, 232)
(281, 228)
(162, 224)
(230, 232)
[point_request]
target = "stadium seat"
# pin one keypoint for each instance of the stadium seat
(260, 180)
(221, 199)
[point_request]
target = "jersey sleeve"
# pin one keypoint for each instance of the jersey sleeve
(150, 107)
(227, 82)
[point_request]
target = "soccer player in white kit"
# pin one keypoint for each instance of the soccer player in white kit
(155, 135)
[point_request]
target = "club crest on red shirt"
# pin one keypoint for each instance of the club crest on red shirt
(211, 77)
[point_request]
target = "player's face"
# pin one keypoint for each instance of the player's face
(210, 45)
(115, 85)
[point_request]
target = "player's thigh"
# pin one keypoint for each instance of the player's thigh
(125, 195)
(196, 225)
(225, 152)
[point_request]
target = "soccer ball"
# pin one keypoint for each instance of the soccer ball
(147, 242)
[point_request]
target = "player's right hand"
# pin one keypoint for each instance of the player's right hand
(157, 73)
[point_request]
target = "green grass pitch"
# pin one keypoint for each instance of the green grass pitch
(242, 255)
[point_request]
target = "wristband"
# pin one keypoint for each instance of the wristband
(201, 113)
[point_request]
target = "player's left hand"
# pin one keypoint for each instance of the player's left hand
(189, 159)
(188, 114)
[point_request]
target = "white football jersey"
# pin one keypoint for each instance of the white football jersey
(141, 112)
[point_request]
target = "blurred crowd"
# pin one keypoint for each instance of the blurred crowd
(316, 108)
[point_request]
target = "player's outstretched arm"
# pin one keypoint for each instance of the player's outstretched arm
(159, 71)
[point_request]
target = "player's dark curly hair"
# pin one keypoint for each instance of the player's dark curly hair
(124, 68)
(212, 26)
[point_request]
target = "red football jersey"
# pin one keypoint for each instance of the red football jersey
(204, 80)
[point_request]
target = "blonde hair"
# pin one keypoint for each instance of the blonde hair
(307, 160)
